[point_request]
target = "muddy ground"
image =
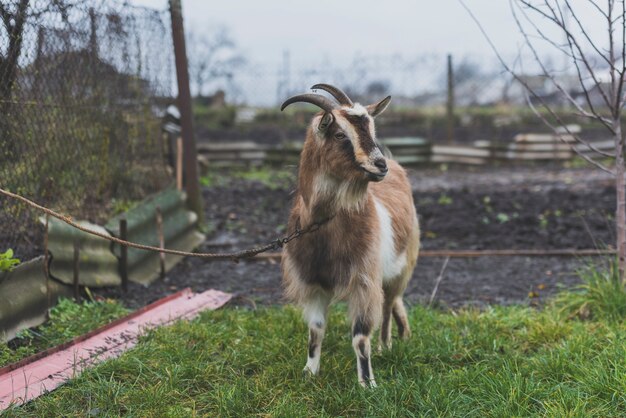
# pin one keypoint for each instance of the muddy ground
(538, 207)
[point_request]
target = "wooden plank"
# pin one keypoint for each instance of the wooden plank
(405, 141)
(411, 159)
(243, 155)
(527, 156)
(543, 138)
(405, 151)
(231, 146)
(463, 151)
(437, 158)
(605, 145)
(538, 147)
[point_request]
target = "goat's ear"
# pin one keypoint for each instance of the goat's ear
(378, 108)
(327, 119)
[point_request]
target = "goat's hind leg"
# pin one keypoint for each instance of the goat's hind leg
(400, 316)
(385, 328)
(315, 310)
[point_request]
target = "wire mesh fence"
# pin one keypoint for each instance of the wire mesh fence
(83, 85)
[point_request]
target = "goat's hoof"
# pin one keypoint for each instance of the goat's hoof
(406, 335)
(308, 373)
(367, 384)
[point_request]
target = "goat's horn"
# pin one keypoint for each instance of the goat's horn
(337, 93)
(315, 99)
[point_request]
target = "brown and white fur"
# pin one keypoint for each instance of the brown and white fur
(365, 254)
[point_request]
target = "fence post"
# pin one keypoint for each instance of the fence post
(190, 154)
(76, 269)
(179, 163)
(159, 226)
(124, 255)
(450, 101)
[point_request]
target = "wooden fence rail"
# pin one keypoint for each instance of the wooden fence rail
(410, 151)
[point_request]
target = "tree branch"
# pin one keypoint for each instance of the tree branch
(540, 99)
(583, 31)
(571, 38)
(594, 114)
(567, 130)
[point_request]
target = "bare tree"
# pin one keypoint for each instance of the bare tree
(212, 56)
(600, 68)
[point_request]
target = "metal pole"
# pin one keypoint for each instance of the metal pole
(450, 101)
(46, 265)
(190, 155)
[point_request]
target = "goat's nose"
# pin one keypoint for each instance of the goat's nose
(381, 164)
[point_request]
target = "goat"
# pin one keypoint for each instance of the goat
(367, 239)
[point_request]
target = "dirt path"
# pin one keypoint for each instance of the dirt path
(543, 207)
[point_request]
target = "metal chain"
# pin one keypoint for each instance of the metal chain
(234, 256)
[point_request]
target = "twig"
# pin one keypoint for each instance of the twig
(439, 279)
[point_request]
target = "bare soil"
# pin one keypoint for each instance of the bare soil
(538, 207)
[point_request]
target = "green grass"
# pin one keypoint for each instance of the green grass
(271, 178)
(500, 362)
(68, 319)
(602, 295)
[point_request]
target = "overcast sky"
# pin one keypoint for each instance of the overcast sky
(340, 28)
(332, 33)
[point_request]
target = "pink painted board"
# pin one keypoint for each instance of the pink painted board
(45, 374)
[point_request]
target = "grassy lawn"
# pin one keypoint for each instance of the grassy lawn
(68, 319)
(500, 362)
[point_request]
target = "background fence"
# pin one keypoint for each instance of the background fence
(83, 86)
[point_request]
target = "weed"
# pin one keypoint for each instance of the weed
(602, 295)
(271, 178)
(444, 199)
(122, 205)
(7, 261)
(487, 203)
(503, 218)
(543, 220)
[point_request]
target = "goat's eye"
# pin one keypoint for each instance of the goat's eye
(340, 135)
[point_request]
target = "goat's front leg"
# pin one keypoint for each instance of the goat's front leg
(315, 311)
(365, 310)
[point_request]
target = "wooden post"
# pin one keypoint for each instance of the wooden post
(179, 163)
(190, 153)
(450, 101)
(76, 269)
(159, 224)
(46, 265)
(124, 255)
